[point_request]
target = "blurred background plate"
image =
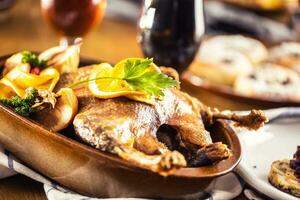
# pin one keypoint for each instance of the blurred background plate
(224, 91)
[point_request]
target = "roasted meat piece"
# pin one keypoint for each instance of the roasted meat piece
(129, 128)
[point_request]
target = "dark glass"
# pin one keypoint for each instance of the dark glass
(170, 31)
(73, 18)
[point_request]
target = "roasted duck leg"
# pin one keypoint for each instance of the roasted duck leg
(253, 121)
(129, 128)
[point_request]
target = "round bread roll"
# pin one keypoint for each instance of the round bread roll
(287, 54)
(222, 67)
(282, 177)
(270, 81)
(253, 49)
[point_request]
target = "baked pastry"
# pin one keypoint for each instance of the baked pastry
(253, 49)
(270, 81)
(282, 177)
(265, 4)
(285, 174)
(286, 54)
(222, 67)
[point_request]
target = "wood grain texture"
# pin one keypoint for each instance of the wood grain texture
(20, 187)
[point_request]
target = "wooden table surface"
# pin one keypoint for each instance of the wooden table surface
(23, 28)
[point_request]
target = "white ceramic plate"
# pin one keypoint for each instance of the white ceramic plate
(275, 141)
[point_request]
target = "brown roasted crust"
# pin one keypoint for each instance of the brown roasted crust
(149, 145)
(208, 155)
(216, 151)
(128, 128)
(253, 121)
(282, 177)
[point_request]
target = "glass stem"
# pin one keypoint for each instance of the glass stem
(66, 41)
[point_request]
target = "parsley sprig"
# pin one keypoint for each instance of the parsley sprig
(22, 106)
(139, 75)
(33, 60)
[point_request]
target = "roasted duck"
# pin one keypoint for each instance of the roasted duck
(169, 134)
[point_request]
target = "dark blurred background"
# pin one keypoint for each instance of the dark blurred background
(22, 26)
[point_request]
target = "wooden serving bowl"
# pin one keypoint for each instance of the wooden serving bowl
(91, 172)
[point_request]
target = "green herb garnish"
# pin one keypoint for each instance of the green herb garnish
(33, 60)
(22, 106)
(138, 76)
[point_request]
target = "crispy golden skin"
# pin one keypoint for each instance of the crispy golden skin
(129, 128)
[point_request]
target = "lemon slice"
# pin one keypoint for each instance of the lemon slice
(119, 67)
(106, 82)
(19, 79)
(146, 98)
